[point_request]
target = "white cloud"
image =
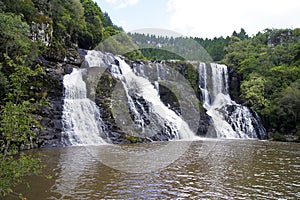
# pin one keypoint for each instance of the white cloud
(211, 18)
(122, 3)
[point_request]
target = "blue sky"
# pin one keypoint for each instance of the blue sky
(209, 18)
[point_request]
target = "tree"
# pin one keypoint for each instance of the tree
(92, 35)
(106, 20)
(253, 90)
(16, 127)
(242, 34)
(15, 36)
(290, 101)
(24, 8)
(68, 21)
(17, 121)
(269, 67)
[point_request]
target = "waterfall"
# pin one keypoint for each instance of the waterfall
(139, 112)
(136, 106)
(81, 118)
(231, 120)
(159, 112)
(203, 85)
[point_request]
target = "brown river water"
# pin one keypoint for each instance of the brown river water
(204, 169)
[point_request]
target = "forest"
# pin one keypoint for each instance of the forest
(268, 64)
(29, 28)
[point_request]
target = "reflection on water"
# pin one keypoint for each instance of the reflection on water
(232, 169)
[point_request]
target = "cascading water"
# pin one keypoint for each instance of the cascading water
(178, 128)
(231, 120)
(146, 113)
(81, 118)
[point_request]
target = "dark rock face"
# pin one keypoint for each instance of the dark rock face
(206, 128)
(105, 86)
(52, 85)
(234, 84)
(233, 113)
(108, 86)
(103, 101)
(169, 99)
(181, 103)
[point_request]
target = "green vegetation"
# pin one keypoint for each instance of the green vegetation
(29, 28)
(98, 26)
(190, 73)
(17, 121)
(121, 44)
(184, 48)
(169, 48)
(269, 65)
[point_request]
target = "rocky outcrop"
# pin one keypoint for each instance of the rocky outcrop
(50, 113)
(234, 84)
(176, 94)
(107, 86)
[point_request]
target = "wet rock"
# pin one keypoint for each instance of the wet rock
(50, 113)
(234, 84)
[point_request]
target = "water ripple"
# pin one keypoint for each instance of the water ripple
(232, 170)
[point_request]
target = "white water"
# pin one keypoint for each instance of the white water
(82, 123)
(146, 90)
(203, 85)
(81, 118)
(213, 82)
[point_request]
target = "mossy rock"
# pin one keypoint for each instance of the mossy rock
(279, 137)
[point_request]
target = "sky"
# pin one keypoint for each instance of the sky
(203, 18)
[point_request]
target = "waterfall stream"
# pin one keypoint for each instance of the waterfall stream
(159, 111)
(141, 112)
(81, 118)
(146, 114)
(231, 120)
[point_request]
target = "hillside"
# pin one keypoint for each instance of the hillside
(41, 41)
(38, 44)
(268, 66)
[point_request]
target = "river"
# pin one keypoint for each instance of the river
(204, 169)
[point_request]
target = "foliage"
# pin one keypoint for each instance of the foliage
(253, 90)
(24, 8)
(16, 119)
(73, 23)
(93, 32)
(16, 126)
(290, 105)
(160, 54)
(18, 77)
(168, 48)
(13, 169)
(180, 48)
(269, 64)
(215, 47)
(68, 20)
(14, 38)
(190, 73)
(17, 122)
(67, 23)
(120, 44)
